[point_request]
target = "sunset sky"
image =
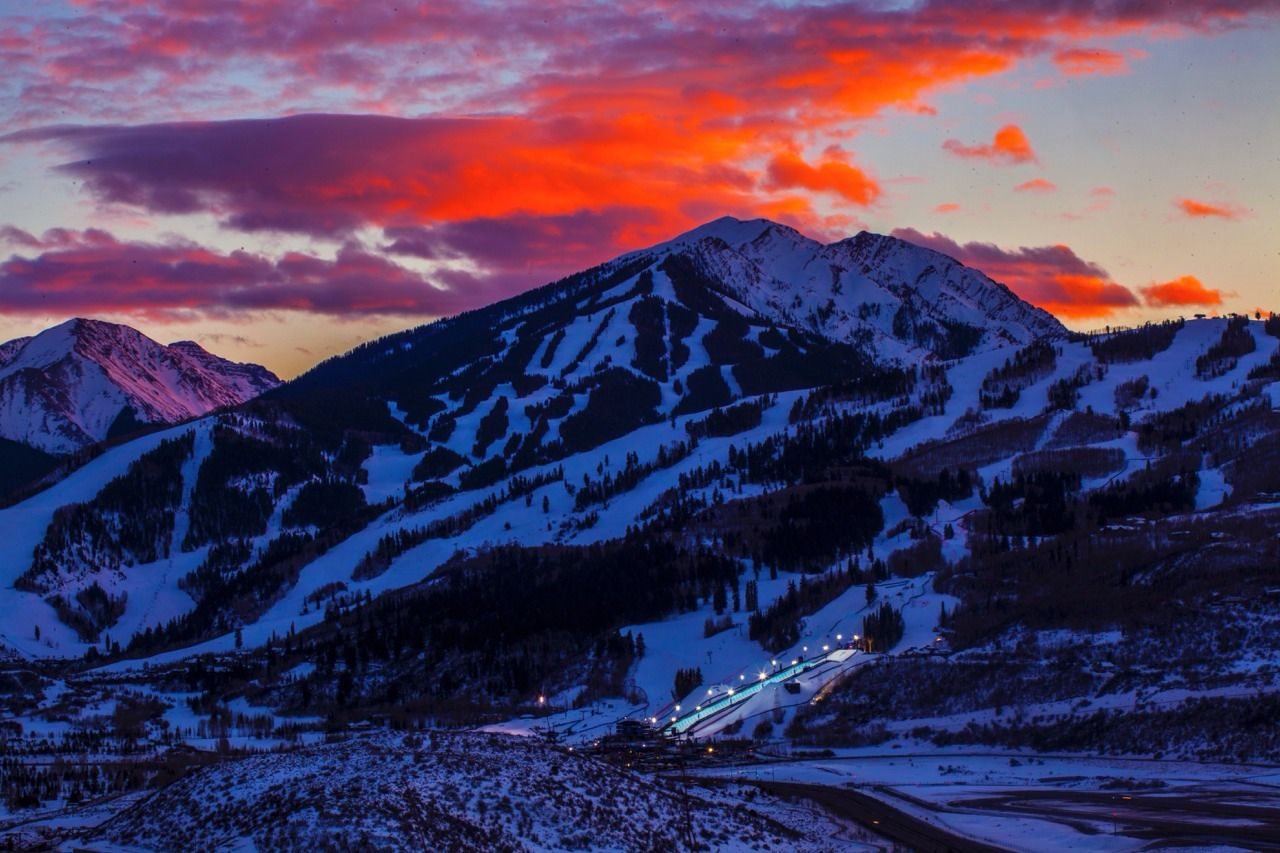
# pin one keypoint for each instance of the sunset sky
(281, 180)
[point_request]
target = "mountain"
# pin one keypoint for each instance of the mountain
(71, 385)
(741, 484)
(893, 296)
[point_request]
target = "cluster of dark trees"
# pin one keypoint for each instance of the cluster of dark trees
(883, 629)
(648, 318)
(1039, 503)
(808, 453)
(620, 402)
(949, 339)
(493, 426)
(1269, 371)
(937, 391)
(437, 462)
(819, 525)
(1271, 325)
(1002, 386)
(633, 471)
(129, 521)
(686, 681)
(507, 620)
(1142, 343)
(778, 626)
(20, 465)
(731, 420)
(921, 495)
(1223, 356)
(90, 610)
(29, 785)
(243, 476)
(1168, 431)
(1065, 393)
(1141, 495)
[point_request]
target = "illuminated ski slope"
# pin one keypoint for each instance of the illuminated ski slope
(734, 696)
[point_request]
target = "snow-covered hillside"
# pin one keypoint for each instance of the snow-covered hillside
(67, 386)
(896, 297)
(738, 485)
(441, 791)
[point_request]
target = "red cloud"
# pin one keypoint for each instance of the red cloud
(1204, 210)
(1009, 146)
(1185, 291)
(1038, 185)
(1080, 61)
(93, 273)
(788, 171)
(1052, 277)
(947, 207)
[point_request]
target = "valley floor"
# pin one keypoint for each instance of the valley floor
(1040, 802)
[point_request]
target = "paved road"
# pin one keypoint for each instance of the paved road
(1196, 816)
(881, 817)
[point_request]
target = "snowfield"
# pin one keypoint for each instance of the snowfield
(443, 791)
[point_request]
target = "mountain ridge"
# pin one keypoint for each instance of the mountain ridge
(74, 383)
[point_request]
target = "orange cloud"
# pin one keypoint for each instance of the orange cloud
(1187, 290)
(790, 171)
(947, 207)
(1036, 185)
(1081, 61)
(1052, 277)
(1205, 210)
(1009, 146)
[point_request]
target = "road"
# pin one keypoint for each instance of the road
(880, 817)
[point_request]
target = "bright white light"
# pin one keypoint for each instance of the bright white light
(730, 691)
(677, 707)
(762, 676)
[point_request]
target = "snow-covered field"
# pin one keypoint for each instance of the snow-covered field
(436, 791)
(1036, 802)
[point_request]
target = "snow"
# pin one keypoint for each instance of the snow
(1213, 488)
(389, 468)
(88, 371)
(24, 526)
(965, 791)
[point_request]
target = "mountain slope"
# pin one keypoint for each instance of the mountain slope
(69, 385)
(895, 297)
(669, 391)
(696, 477)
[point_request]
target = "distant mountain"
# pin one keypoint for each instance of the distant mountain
(76, 383)
(894, 297)
(889, 300)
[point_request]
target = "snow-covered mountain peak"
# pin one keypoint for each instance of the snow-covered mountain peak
(66, 386)
(737, 233)
(880, 292)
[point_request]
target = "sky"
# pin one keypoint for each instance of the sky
(280, 181)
